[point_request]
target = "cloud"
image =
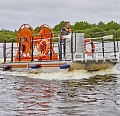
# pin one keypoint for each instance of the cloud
(13, 13)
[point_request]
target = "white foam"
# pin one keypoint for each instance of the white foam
(1, 61)
(76, 74)
(14, 73)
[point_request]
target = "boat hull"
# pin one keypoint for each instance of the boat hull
(93, 65)
(46, 66)
(57, 66)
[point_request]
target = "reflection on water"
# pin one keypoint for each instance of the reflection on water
(96, 96)
(34, 97)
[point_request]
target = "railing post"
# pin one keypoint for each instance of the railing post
(64, 47)
(51, 48)
(103, 46)
(60, 48)
(117, 41)
(4, 50)
(19, 49)
(32, 49)
(12, 51)
(72, 45)
(75, 42)
(114, 45)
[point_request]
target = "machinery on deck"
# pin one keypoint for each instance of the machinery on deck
(27, 42)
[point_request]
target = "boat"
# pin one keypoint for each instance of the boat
(41, 51)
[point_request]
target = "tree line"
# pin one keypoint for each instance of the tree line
(80, 27)
(7, 35)
(88, 28)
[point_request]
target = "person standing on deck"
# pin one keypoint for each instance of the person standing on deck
(65, 31)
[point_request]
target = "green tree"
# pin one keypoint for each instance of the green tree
(96, 32)
(118, 33)
(101, 25)
(59, 26)
(81, 25)
(112, 25)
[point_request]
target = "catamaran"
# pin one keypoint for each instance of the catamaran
(40, 51)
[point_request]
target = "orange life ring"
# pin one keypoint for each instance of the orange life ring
(46, 44)
(89, 53)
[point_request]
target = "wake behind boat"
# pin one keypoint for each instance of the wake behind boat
(38, 52)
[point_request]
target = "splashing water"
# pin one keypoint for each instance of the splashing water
(1, 61)
(76, 74)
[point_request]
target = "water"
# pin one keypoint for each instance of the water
(77, 93)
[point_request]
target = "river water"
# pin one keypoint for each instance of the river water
(77, 93)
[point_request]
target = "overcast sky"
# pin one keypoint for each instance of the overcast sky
(14, 13)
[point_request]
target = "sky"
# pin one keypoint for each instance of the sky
(14, 13)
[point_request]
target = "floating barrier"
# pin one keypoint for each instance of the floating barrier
(34, 66)
(65, 66)
(6, 67)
